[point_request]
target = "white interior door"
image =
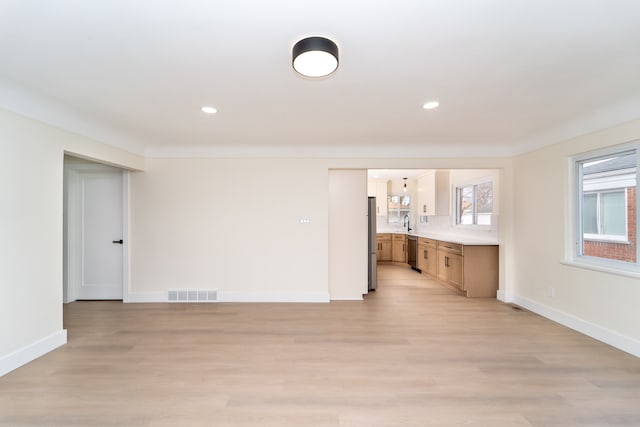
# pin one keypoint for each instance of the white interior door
(96, 246)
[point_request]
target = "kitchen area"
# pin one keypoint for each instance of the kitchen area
(441, 223)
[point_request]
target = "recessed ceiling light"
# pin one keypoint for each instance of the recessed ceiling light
(430, 105)
(209, 110)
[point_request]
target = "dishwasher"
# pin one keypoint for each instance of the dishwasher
(412, 243)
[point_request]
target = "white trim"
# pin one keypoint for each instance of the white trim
(225, 296)
(501, 295)
(144, 297)
(393, 149)
(617, 268)
(126, 235)
(472, 183)
(606, 238)
(304, 297)
(615, 339)
(74, 173)
(32, 351)
(574, 235)
(71, 236)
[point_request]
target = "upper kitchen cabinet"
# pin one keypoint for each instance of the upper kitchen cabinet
(433, 193)
(378, 189)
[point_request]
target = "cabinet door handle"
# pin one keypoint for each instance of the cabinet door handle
(446, 261)
(426, 255)
(424, 208)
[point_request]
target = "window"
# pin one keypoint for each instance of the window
(604, 215)
(398, 207)
(606, 208)
(474, 204)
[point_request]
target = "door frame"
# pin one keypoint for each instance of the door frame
(72, 269)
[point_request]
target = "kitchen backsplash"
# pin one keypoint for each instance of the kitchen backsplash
(440, 225)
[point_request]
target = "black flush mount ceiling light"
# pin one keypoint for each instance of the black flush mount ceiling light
(315, 56)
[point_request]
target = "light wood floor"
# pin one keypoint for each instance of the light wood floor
(412, 354)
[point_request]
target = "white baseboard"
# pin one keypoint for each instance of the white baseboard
(592, 330)
(224, 296)
(505, 296)
(30, 352)
(141, 297)
(148, 297)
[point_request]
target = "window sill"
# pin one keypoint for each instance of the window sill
(604, 238)
(632, 272)
(474, 227)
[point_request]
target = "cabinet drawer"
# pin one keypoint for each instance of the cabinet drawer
(426, 242)
(399, 237)
(453, 248)
(383, 236)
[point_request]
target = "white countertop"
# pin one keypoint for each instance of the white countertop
(448, 237)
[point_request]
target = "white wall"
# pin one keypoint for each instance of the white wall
(31, 184)
(601, 304)
(348, 234)
(232, 225)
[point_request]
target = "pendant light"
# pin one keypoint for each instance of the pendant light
(315, 56)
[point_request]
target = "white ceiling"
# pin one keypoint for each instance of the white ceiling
(510, 75)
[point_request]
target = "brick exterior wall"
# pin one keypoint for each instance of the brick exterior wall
(618, 251)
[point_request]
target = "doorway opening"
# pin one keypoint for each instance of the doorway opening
(95, 248)
(419, 210)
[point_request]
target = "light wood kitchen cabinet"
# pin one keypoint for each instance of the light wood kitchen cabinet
(399, 248)
(380, 192)
(427, 256)
(450, 267)
(472, 269)
(384, 246)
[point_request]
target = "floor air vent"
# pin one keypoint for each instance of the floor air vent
(192, 295)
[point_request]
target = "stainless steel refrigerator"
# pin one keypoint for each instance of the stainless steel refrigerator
(373, 245)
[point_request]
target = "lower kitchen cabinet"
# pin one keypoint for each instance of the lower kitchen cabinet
(399, 248)
(469, 268)
(450, 266)
(427, 256)
(384, 246)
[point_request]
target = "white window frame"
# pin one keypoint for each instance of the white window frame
(601, 237)
(456, 204)
(575, 237)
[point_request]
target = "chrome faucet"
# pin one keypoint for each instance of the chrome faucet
(406, 223)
